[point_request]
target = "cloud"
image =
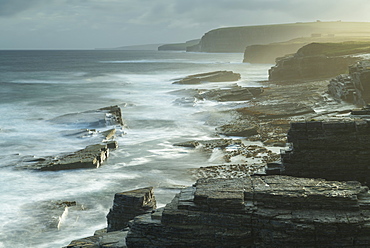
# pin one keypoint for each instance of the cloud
(102, 23)
(13, 7)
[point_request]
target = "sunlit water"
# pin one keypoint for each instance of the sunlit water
(36, 86)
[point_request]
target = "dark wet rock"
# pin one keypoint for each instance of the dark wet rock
(278, 110)
(109, 134)
(127, 205)
(353, 87)
(215, 76)
(266, 211)
(229, 93)
(209, 144)
(240, 129)
(90, 157)
(94, 118)
(101, 239)
(336, 149)
(234, 93)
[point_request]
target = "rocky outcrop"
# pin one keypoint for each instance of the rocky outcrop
(267, 211)
(298, 67)
(228, 93)
(234, 93)
(236, 39)
(215, 76)
(127, 205)
(333, 149)
(267, 54)
(353, 87)
(93, 118)
(90, 157)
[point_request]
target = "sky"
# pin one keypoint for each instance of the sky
(89, 24)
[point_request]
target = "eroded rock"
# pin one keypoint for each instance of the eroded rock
(267, 211)
(94, 118)
(215, 76)
(336, 149)
(353, 87)
(127, 205)
(90, 157)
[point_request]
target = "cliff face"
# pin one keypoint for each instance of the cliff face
(353, 87)
(179, 46)
(334, 150)
(236, 39)
(268, 211)
(318, 61)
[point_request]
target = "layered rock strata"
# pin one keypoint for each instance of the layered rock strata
(215, 76)
(309, 67)
(90, 157)
(333, 149)
(353, 87)
(127, 205)
(266, 211)
(93, 118)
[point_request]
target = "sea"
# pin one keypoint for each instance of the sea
(38, 86)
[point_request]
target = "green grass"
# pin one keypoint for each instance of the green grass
(335, 49)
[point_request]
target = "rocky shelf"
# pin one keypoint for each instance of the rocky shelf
(335, 149)
(215, 76)
(257, 211)
(353, 87)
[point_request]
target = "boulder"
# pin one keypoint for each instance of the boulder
(259, 211)
(215, 76)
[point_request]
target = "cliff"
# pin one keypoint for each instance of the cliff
(318, 61)
(269, 53)
(332, 149)
(179, 46)
(267, 211)
(353, 87)
(236, 39)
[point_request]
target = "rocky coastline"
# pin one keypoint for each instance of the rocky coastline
(304, 185)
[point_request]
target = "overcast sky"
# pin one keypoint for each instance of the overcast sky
(88, 24)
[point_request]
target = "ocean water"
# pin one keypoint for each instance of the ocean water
(37, 86)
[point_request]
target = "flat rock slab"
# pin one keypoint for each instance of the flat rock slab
(101, 239)
(90, 157)
(92, 119)
(275, 111)
(209, 144)
(216, 76)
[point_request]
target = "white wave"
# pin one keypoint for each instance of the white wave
(62, 218)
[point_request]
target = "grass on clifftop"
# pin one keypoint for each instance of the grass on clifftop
(335, 49)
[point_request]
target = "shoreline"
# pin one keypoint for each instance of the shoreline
(270, 113)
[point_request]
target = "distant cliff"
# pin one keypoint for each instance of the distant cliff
(179, 46)
(236, 39)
